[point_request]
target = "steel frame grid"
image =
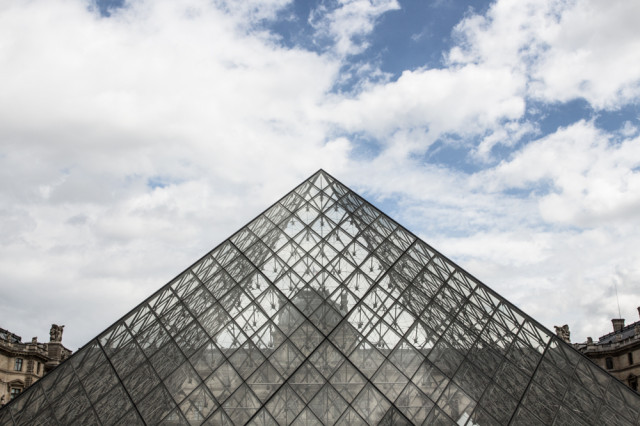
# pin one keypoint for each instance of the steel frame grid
(292, 203)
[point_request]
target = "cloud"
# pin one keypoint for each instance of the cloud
(567, 49)
(347, 23)
(593, 177)
(466, 101)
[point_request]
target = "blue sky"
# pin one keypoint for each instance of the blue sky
(137, 135)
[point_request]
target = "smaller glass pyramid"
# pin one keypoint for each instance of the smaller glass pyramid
(323, 310)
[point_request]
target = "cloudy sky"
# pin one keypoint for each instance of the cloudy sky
(135, 136)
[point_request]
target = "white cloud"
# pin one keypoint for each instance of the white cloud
(465, 101)
(591, 175)
(568, 49)
(348, 22)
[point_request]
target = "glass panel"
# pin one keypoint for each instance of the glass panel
(456, 403)
(511, 380)
(71, 404)
(206, 359)
(152, 338)
(406, 358)
(541, 403)
(285, 405)
(286, 358)
(218, 418)
(220, 284)
(325, 318)
(99, 381)
(243, 239)
(263, 418)
(268, 338)
(307, 417)
(326, 359)
(199, 301)
(366, 358)
(223, 382)
(552, 379)
(389, 380)
(288, 319)
(351, 417)
(213, 320)
(471, 380)
(182, 382)
(112, 406)
(277, 212)
(265, 381)
(156, 405)
(581, 401)
(126, 360)
(224, 253)
(370, 404)
(414, 404)
(345, 337)
(166, 360)
(306, 338)
(430, 380)
(205, 268)
(274, 240)
(445, 357)
(328, 405)
(307, 381)
(185, 284)
(241, 405)
(191, 338)
(258, 252)
(140, 381)
(348, 381)
(498, 404)
(246, 359)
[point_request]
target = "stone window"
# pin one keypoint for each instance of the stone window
(630, 357)
(18, 364)
(609, 362)
(15, 392)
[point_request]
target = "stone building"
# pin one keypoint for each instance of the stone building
(617, 352)
(22, 364)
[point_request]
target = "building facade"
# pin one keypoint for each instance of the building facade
(617, 352)
(22, 364)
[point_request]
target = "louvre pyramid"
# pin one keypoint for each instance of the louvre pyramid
(323, 310)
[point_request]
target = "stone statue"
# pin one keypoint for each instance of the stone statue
(55, 333)
(563, 333)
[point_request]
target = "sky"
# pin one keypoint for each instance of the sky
(137, 135)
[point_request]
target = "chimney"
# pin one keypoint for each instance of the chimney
(638, 310)
(618, 324)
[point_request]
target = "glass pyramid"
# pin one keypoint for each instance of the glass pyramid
(323, 310)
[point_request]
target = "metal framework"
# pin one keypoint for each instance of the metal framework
(323, 310)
